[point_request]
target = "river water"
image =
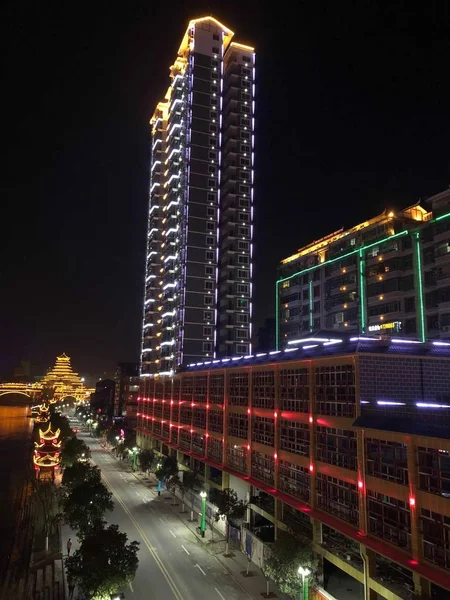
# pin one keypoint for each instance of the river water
(15, 433)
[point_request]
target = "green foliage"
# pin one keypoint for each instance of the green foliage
(228, 505)
(73, 450)
(77, 474)
(104, 563)
(146, 458)
(59, 422)
(289, 553)
(168, 468)
(86, 504)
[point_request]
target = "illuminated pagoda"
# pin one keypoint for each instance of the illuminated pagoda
(47, 453)
(43, 415)
(64, 381)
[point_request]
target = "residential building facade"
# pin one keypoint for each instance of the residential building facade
(198, 282)
(127, 383)
(389, 275)
(345, 440)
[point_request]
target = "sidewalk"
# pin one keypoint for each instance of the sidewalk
(254, 585)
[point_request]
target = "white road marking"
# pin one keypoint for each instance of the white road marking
(131, 588)
(200, 569)
(219, 594)
(185, 549)
(172, 533)
(161, 520)
(138, 493)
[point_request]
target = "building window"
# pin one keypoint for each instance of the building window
(242, 288)
(209, 270)
(242, 349)
(243, 260)
(335, 391)
(238, 425)
(243, 231)
(244, 217)
(207, 331)
(208, 315)
(244, 203)
(215, 421)
(434, 470)
(241, 334)
(387, 460)
(436, 538)
(237, 457)
(199, 419)
(213, 155)
(242, 318)
(294, 437)
(263, 389)
(263, 467)
(211, 197)
(242, 245)
(200, 388)
(238, 389)
(212, 169)
(209, 254)
(207, 347)
(216, 388)
(216, 38)
(337, 497)
(294, 480)
(209, 284)
(208, 300)
(263, 430)
(336, 447)
(215, 450)
(211, 183)
(294, 390)
(211, 212)
(389, 519)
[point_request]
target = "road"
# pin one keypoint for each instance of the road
(173, 563)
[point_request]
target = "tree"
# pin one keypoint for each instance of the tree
(86, 504)
(167, 469)
(290, 553)
(230, 507)
(73, 450)
(46, 497)
(188, 484)
(77, 474)
(104, 563)
(59, 422)
(146, 458)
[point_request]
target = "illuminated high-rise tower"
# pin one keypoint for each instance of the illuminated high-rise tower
(198, 282)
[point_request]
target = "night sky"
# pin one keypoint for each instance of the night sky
(353, 115)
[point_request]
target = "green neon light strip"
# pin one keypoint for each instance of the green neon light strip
(311, 306)
(446, 216)
(327, 262)
(362, 291)
(419, 276)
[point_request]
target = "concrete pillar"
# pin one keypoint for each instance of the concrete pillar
(370, 570)
(422, 586)
(318, 539)
(413, 478)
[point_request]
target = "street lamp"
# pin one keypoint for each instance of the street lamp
(305, 573)
(203, 495)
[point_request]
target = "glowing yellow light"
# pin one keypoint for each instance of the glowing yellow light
(391, 214)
